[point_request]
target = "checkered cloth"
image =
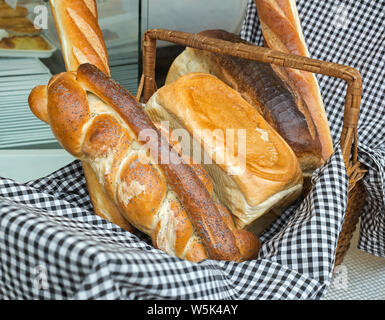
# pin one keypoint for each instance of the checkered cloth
(52, 245)
(350, 33)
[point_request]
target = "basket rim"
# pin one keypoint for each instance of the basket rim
(348, 138)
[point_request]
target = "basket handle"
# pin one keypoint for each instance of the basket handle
(348, 138)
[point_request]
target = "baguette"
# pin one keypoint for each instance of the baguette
(82, 41)
(282, 31)
(99, 122)
(80, 36)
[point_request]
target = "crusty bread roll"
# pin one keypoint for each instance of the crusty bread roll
(19, 26)
(105, 207)
(249, 183)
(24, 43)
(271, 92)
(20, 31)
(7, 11)
(282, 31)
(99, 122)
(19, 21)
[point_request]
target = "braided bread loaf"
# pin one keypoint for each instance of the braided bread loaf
(99, 122)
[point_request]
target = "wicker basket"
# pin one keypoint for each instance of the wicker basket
(348, 139)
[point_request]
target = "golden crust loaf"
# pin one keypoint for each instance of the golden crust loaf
(81, 41)
(24, 43)
(7, 11)
(23, 31)
(13, 22)
(18, 26)
(16, 23)
(206, 107)
(268, 89)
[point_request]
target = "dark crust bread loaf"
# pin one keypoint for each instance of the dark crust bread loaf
(282, 31)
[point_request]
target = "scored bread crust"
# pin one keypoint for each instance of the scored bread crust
(99, 122)
(202, 104)
(82, 41)
(80, 35)
(282, 31)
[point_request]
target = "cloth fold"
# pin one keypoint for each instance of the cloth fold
(52, 246)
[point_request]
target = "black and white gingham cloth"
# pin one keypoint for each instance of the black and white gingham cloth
(52, 245)
(350, 32)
